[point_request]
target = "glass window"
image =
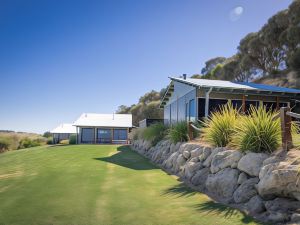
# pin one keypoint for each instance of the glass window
(270, 105)
(186, 111)
(237, 104)
(215, 104)
(283, 104)
(192, 110)
(201, 108)
(87, 135)
(103, 135)
(120, 134)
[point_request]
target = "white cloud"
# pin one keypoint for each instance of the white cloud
(236, 13)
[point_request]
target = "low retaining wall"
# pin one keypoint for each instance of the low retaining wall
(264, 186)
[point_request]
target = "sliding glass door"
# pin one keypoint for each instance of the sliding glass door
(104, 135)
(120, 136)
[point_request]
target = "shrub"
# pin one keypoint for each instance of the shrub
(258, 132)
(219, 127)
(49, 141)
(179, 132)
(136, 133)
(64, 142)
(72, 139)
(4, 145)
(28, 143)
(155, 133)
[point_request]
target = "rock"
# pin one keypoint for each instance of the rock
(196, 152)
(186, 154)
(279, 179)
(191, 168)
(242, 178)
(171, 160)
(223, 159)
(270, 160)
(251, 163)
(188, 147)
(207, 162)
(147, 145)
(205, 153)
(179, 162)
(278, 217)
(195, 159)
(172, 148)
(255, 205)
(263, 171)
(245, 191)
(283, 205)
(200, 177)
(223, 184)
(295, 217)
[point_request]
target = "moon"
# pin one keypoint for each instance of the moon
(236, 13)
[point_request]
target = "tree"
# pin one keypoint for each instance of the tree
(211, 64)
(47, 134)
(147, 107)
(123, 109)
(294, 60)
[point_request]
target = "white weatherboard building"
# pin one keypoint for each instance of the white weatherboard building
(62, 132)
(92, 128)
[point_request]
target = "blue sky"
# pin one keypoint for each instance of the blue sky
(61, 58)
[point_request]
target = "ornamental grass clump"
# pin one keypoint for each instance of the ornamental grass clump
(155, 133)
(219, 126)
(179, 132)
(258, 131)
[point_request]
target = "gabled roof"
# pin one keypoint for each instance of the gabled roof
(235, 85)
(232, 87)
(64, 128)
(104, 120)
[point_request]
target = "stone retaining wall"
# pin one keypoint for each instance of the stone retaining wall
(265, 186)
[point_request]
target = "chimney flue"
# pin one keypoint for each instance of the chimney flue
(184, 76)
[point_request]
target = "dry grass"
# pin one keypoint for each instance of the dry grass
(14, 138)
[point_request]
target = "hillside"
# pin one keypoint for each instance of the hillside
(290, 80)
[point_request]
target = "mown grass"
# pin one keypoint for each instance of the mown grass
(92, 184)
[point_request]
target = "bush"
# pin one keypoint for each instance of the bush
(136, 133)
(155, 133)
(28, 143)
(72, 139)
(49, 141)
(258, 132)
(64, 142)
(4, 145)
(219, 127)
(179, 132)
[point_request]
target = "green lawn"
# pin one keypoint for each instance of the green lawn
(92, 184)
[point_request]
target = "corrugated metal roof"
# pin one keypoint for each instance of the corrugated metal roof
(64, 128)
(235, 85)
(104, 120)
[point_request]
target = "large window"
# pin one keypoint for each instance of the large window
(270, 106)
(87, 135)
(120, 134)
(186, 111)
(215, 104)
(192, 110)
(103, 135)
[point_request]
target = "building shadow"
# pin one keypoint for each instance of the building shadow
(125, 157)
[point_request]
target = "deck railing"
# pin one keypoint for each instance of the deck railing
(285, 116)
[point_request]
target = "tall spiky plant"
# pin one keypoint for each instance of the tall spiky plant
(258, 131)
(219, 127)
